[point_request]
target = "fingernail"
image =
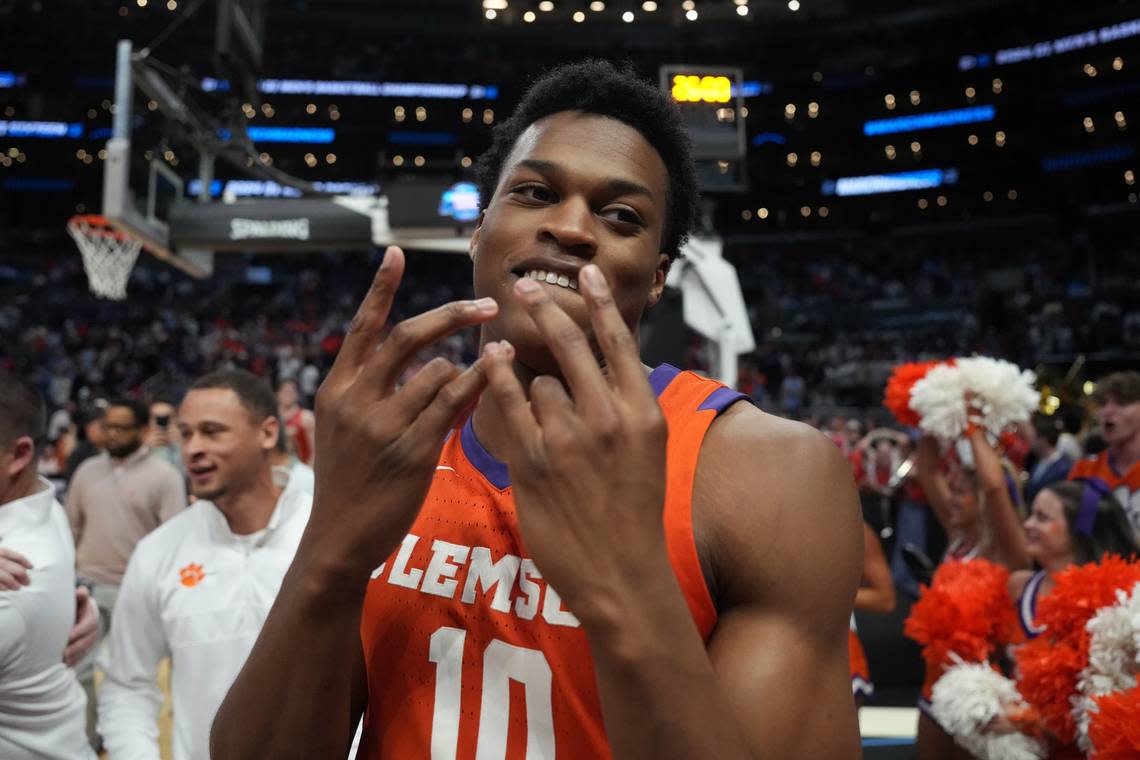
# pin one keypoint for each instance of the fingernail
(492, 349)
(526, 285)
(508, 349)
(593, 278)
(487, 305)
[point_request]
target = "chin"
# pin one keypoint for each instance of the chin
(209, 494)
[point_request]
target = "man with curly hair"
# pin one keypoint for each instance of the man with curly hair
(601, 559)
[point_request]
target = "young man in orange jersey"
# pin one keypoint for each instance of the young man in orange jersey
(1118, 466)
(705, 555)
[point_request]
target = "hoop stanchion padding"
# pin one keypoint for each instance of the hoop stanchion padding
(108, 254)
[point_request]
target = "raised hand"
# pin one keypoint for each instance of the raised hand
(378, 444)
(588, 467)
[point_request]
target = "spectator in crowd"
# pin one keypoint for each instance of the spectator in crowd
(90, 437)
(114, 500)
(198, 588)
(1051, 465)
(300, 424)
(1118, 466)
(160, 432)
(41, 701)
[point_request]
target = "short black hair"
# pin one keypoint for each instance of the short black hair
(598, 87)
(22, 410)
(1121, 387)
(139, 410)
(253, 392)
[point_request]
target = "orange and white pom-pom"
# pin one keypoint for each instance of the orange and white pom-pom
(1003, 394)
(1114, 660)
(965, 615)
(1114, 731)
(1050, 666)
(970, 695)
(896, 398)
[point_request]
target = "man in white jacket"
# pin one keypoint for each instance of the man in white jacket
(42, 706)
(199, 587)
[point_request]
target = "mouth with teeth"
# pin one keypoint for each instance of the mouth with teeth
(551, 278)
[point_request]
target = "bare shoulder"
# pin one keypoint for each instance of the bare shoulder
(776, 510)
(1017, 582)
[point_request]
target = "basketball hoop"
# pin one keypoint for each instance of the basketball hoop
(108, 254)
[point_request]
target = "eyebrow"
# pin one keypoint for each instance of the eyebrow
(616, 185)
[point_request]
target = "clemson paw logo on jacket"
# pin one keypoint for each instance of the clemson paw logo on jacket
(192, 575)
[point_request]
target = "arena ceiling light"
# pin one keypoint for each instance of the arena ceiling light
(546, 6)
(897, 182)
(933, 120)
(495, 5)
(649, 6)
(793, 5)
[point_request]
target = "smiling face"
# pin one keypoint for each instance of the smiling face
(224, 448)
(576, 189)
(1047, 531)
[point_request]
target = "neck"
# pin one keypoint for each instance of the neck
(248, 511)
(1054, 565)
(1046, 452)
(1125, 454)
(22, 486)
(487, 420)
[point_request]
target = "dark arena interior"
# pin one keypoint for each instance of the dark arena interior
(189, 186)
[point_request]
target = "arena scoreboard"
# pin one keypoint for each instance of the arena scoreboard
(711, 106)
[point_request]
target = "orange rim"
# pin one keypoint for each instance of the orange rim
(97, 225)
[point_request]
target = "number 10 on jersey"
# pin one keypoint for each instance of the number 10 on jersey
(502, 663)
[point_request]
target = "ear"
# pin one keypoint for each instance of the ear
(270, 430)
(21, 456)
(474, 242)
(659, 276)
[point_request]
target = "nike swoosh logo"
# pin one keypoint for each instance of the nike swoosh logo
(444, 467)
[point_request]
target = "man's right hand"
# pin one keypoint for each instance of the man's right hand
(379, 444)
(14, 569)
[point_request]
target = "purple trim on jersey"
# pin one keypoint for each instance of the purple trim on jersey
(660, 377)
(1027, 605)
(497, 473)
(720, 399)
(492, 469)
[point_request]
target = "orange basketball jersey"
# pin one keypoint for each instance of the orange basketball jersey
(469, 653)
(1125, 486)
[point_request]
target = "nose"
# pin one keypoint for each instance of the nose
(570, 225)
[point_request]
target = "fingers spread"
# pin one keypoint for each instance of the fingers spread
(418, 392)
(510, 398)
(612, 333)
(550, 403)
(364, 331)
(409, 337)
(450, 403)
(569, 345)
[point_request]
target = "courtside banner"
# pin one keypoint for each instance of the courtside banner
(271, 225)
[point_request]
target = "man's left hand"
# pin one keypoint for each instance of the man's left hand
(85, 632)
(588, 466)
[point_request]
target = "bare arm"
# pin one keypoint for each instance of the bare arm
(303, 687)
(928, 470)
(878, 592)
(783, 612)
(75, 506)
(1008, 538)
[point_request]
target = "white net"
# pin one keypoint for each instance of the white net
(108, 255)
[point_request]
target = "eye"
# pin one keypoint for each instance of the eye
(624, 215)
(535, 192)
